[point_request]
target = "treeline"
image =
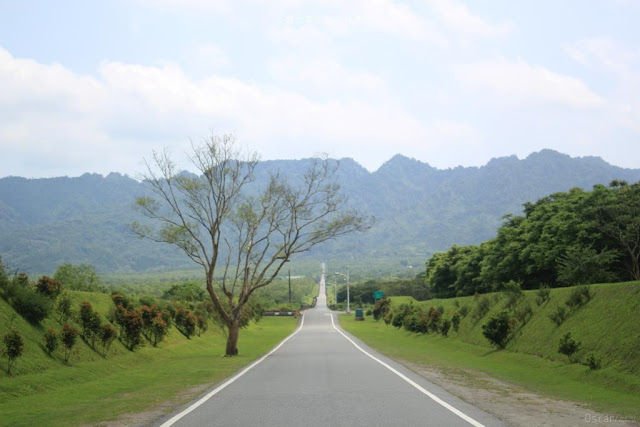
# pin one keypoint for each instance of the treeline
(569, 238)
(363, 293)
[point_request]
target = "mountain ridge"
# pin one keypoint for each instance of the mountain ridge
(420, 209)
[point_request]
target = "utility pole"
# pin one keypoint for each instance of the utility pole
(348, 307)
(289, 286)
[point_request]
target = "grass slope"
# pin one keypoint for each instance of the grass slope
(44, 391)
(607, 326)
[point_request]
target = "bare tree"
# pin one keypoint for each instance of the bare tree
(241, 235)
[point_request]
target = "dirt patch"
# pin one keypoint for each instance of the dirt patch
(158, 411)
(512, 403)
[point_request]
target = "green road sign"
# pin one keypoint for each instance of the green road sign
(378, 295)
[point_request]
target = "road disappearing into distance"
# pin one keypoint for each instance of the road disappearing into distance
(322, 376)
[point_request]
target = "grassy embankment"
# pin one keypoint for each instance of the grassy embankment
(607, 326)
(42, 390)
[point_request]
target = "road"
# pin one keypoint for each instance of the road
(319, 377)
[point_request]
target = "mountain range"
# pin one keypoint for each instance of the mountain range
(419, 209)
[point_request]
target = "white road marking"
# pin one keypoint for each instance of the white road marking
(221, 387)
(413, 383)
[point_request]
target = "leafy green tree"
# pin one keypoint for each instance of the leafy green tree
(108, 334)
(568, 346)
(583, 265)
(63, 308)
(68, 336)
(81, 277)
(50, 341)
(14, 345)
(240, 235)
(49, 287)
(188, 291)
(497, 329)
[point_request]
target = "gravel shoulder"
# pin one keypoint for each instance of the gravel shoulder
(513, 404)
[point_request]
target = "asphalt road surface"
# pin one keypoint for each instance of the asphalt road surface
(319, 377)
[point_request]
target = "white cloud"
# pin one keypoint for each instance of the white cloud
(457, 17)
(112, 121)
(518, 82)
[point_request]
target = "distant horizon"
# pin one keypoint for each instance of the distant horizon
(520, 158)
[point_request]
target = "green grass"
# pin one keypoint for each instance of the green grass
(608, 326)
(45, 391)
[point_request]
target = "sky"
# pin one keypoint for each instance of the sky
(96, 86)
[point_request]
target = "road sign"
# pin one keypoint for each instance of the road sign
(378, 295)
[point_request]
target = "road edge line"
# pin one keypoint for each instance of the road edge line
(222, 386)
(410, 381)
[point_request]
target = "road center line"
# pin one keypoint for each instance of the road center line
(410, 381)
(221, 387)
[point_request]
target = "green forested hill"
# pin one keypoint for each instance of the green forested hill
(419, 210)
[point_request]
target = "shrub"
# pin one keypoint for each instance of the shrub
(403, 311)
(410, 321)
(119, 299)
(108, 334)
(50, 341)
(368, 312)
(568, 346)
(159, 329)
(435, 316)
(68, 336)
(31, 305)
(464, 311)
(49, 287)
(131, 329)
(445, 326)
(580, 295)
(202, 325)
(441, 309)
(543, 295)
(455, 321)
(513, 292)
(594, 362)
(482, 308)
(86, 317)
(381, 308)
(559, 315)
(63, 308)
(523, 313)
(186, 322)
(388, 318)
(497, 329)
(13, 346)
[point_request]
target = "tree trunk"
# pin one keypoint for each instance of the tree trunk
(232, 339)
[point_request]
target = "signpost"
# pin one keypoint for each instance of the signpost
(378, 295)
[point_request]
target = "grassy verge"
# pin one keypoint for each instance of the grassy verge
(606, 325)
(89, 391)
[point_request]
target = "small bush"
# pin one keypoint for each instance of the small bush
(13, 346)
(381, 308)
(86, 317)
(559, 316)
(464, 311)
(594, 362)
(445, 326)
(108, 334)
(543, 295)
(388, 318)
(482, 308)
(455, 321)
(403, 311)
(49, 287)
(131, 328)
(368, 312)
(63, 308)
(68, 336)
(159, 330)
(31, 305)
(185, 322)
(523, 313)
(434, 318)
(497, 329)
(50, 341)
(568, 346)
(580, 295)
(513, 291)
(441, 309)
(203, 325)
